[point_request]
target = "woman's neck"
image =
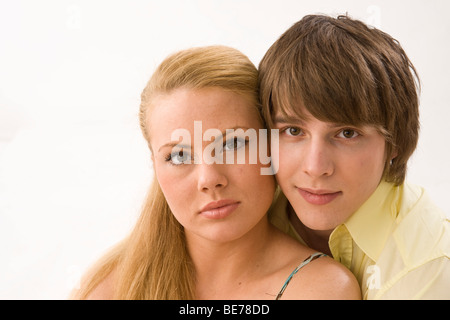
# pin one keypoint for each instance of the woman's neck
(224, 267)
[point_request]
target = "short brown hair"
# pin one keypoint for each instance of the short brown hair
(345, 72)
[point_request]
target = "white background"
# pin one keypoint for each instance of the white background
(74, 167)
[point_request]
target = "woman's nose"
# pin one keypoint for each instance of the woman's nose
(211, 177)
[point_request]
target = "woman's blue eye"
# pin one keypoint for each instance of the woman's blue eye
(234, 143)
(179, 157)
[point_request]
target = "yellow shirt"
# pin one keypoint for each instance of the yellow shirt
(397, 244)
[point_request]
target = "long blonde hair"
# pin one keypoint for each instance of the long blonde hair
(153, 261)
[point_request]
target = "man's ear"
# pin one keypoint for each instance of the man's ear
(393, 155)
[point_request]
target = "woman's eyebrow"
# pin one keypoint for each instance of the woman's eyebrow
(174, 144)
(185, 146)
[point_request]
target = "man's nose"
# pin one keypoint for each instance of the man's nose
(317, 159)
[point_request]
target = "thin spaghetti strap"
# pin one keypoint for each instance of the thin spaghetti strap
(312, 257)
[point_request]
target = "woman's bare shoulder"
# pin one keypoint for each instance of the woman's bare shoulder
(337, 282)
(323, 279)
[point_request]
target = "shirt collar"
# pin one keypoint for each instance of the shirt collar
(372, 223)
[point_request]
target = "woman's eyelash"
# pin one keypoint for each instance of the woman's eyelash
(172, 159)
(235, 143)
(182, 157)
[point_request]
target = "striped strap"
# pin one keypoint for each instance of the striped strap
(304, 263)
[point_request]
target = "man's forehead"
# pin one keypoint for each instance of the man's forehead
(288, 116)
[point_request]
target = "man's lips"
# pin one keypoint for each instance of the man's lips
(219, 209)
(318, 196)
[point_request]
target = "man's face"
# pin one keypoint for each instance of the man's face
(327, 170)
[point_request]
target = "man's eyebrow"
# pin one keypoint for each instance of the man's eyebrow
(281, 118)
(299, 121)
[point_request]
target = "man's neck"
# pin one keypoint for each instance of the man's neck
(315, 239)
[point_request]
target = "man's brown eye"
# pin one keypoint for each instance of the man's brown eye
(348, 133)
(293, 131)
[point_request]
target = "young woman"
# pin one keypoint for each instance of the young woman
(204, 232)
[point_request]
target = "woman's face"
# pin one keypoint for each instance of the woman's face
(211, 197)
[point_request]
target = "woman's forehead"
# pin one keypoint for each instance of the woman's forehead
(201, 110)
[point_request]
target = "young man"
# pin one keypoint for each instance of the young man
(344, 97)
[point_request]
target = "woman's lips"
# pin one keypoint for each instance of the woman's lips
(219, 209)
(318, 196)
